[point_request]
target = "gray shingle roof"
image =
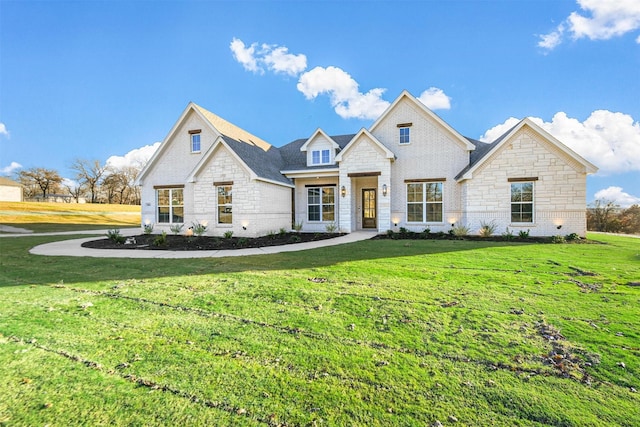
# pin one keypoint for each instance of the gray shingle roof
(294, 159)
(265, 164)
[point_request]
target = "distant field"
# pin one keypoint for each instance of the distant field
(374, 333)
(43, 217)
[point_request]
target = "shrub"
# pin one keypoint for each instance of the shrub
(331, 228)
(523, 234)
(115, 236)
(390, 233)
(403, 231)
(427, 231)
(272, 235)
(572, 237)
(460, 230)
(228, 234)
(508, 234)
(487, 228)
(295, 239)
(282, 232)
(198, 228)
(161, 239)
(558, 239)
(242, 241)
(297, 227)
(176, 228)
(148, 228)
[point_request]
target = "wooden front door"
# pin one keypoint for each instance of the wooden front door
(369, 208)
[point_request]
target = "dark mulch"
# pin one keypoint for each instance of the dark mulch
(195, 243)
(410, 235)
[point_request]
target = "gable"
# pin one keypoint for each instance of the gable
(320, 149)
(537, 138)
(408, 111)
(365, 137)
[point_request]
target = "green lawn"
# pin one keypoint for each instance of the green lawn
(387, 332)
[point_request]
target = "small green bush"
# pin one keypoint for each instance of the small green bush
(242, 241)
(508, 234)
(176, 228)
(198, 228)
(161, 239)
(390, 233)
(115, 236)
(148, 228)
(331, 228)
(522, 234)
(228, 234)
(272, 235)
(295, 239)
(572, 237)
(558, 239)
(297, 227)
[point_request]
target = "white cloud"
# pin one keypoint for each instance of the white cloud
(600, 20)
(3, 130)
(8, 170)
(136, 157)
(342, 89)
(617, 196)
(280, 60)
(273, 57)
(609, 140)
(435, 99)
(245, 55)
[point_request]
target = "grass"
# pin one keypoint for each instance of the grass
(371, 333)
(54, 217)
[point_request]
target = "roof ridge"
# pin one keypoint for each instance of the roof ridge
(227, 128)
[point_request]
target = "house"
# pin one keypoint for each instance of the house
(10, 191)
(409, 169)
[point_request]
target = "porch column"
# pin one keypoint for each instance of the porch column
(345, 203)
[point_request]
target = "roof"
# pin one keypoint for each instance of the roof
(230, 130)
(9, 182)
(266, 164)
(294, 159)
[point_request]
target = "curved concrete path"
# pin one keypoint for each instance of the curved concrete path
(73, 247)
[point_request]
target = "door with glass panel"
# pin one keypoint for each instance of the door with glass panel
(369, 206)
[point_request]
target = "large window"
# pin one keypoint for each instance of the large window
(170, 202)
(404, 135)
(195, 143)
(522, 202)
(424, 202)
(321, 203)
(225, 199)
(320, 157)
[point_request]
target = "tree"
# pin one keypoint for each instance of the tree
(75, 190)
(602, 216)
(630, 220)
(89, 173)
(47, 180)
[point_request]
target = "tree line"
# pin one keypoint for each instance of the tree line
(95, 182)
(605, 215)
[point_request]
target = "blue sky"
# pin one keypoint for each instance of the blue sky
(104, 80)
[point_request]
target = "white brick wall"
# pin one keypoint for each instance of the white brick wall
(364, 156)
(432, 153)
(302, 215)
(319, 143)
(559, 192)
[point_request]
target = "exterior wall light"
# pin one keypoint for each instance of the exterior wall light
(384, 190)
(343, 191)
(559, 227)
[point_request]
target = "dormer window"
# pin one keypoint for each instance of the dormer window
(195, 140)
(320, 157)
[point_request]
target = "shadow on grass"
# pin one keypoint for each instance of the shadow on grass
(19, 267)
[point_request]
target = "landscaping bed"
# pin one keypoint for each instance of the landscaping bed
(195, 243)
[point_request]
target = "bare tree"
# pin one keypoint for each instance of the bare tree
(89, 173)
(602, 216)
(47, 180)
(76, 191)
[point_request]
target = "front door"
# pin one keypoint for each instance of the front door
(369, 207)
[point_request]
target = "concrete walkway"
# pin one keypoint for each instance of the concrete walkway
(73, 247)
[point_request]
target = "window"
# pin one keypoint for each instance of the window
(522, 202)
(321, 202)
(195, 143)
(225, 199)
(404, 135)
(320, 157)
(424, 202)
(170, 204)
